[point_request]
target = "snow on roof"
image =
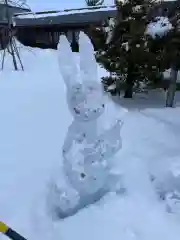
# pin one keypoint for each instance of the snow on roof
(64, 12)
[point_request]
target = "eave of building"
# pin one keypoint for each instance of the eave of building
(72, 18)
(79, 17)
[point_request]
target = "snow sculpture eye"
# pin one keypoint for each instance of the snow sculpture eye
(77, 111)
(83, 175)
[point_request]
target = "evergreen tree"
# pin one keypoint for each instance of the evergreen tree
(97, 34)
(127, 53)
(94, 2)
(174, 62)
(167, 47)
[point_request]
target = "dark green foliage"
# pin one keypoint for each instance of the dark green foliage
(167, 48)
(96, 33)
(128, 51)
(94, 2)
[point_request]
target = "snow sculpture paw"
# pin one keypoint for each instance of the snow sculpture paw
(87, 153)
(62, 201)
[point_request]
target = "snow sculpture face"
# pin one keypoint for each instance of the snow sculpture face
(84, 93)
(85, 101)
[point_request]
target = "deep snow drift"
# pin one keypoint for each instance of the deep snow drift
(34, 119)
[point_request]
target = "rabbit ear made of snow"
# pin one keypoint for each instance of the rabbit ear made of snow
(67, 62)
(88, 65)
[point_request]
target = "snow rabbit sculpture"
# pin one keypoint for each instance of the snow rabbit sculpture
(89, 147)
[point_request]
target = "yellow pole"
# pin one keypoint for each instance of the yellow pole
(9, 232)
(3, 227)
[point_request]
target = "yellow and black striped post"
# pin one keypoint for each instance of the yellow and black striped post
(9, 232)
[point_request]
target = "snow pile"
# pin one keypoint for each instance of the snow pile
(159, 27)
(30, 57)
(165, 172)
(34, 121)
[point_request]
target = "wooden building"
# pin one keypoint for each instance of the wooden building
(43, 29)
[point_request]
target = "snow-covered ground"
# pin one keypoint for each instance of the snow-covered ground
(34, 119)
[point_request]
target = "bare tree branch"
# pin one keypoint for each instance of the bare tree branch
(9, 30)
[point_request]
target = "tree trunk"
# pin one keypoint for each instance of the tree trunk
(118, 87)
(10, 35)
(129, 83)
(129, 91)
(172, 88)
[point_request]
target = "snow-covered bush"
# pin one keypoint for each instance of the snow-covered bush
(159, 27)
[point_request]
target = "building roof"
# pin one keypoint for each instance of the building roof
(83, 16)
(67, 17)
